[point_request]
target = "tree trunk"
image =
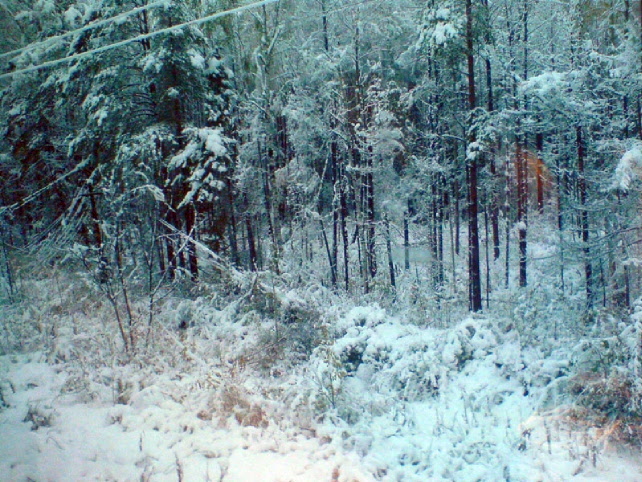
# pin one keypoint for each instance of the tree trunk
(560, 222)
(267, 197)
(494, 207)
(406, 242)
(190, 228)
(391, 266)
(507, 219)
(522, 210)
(457, 216)
(232, 228)
(331, 259)
(539, 147)
(487, 259)
(335, 207)
(370, 213)
(344, 230)
(584, 221)
(251, 245)
(324, 20)
(471, 164)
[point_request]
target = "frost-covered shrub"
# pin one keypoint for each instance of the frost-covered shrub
(235, 401)
(612, 395)
(382, 358)
(471, 339)
(608, 373)
(326, 374)
(302, 323)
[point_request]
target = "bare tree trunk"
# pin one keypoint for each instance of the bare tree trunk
(344, 230)
(522, 210)
(457, 217)
(487, 259)
(539, 171)
(324, 20)
(232, 228)
(170, 245)
(267, 197)
(440, 230)
(584, 222)
(335, 207)
(471, 164)
(333, 267)
(494, 207)
(406, 242)
(507, 219)
(560, 222)
(190, 228)
(251, 245)
(391, 266)
(370, 213)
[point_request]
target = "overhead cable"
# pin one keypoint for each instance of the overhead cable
(85, 28)
(197, 21)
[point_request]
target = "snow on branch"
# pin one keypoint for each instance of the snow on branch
(628, 169)
(545, 84)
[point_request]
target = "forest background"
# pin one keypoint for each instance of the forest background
(297, 158)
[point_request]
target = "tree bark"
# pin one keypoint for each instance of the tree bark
(471, 163)
(251, 245)
(190, 229)
(539, 147)
(584, 221)
(406, 242)
(522, 210)
(391, 266)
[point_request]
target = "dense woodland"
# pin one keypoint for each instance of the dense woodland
(346, 215)
(316, 138)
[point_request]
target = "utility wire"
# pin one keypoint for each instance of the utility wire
(197, 21)
(86, 28)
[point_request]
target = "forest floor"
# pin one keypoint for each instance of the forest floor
(51, 434)
(324, 393)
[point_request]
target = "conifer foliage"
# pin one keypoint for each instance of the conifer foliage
(321, 139)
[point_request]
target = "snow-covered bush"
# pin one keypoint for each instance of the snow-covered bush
(471, 339)
(608, 370)
(377, 360)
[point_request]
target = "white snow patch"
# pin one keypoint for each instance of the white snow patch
(628, 169)
(546, 83)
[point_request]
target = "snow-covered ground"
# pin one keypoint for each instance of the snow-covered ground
(51, 432)
(380, 399)
(298, 386)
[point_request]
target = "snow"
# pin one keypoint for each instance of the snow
(47, 6)
(72, 16)
(546, 84)
(627, 169)
(175, 30)
(447, 25)
(154, 437)
(197, 60)
(474, 150)
(214, 141)
(443, 32)
(380, 398)
(553, 448)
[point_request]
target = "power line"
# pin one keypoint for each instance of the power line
(86, 28)
(198, 21)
